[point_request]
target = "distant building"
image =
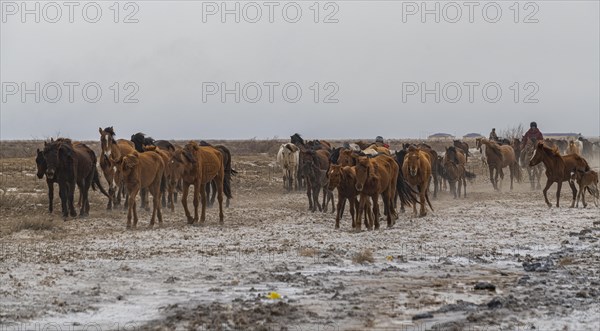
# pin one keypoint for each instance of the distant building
(440, 136)
(566, 136)
(473, 136)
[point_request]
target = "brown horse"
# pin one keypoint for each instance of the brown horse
(558, 169)
(454, 162)
(344, 180)
(112, 153)
(143, 171)
(375, 176)
(534, 173)
(165, 155)
(498, 157)
(463, 146)
(417, 171)
(587, 180)
(200, 165)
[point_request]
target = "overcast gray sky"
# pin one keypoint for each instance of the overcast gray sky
(376, 54)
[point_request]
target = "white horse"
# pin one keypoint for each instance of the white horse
(481, 148)
(288, 159)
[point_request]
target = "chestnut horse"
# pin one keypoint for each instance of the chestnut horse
(558, 169)
(112, 153)
(417, 171)
(375, 176)
(200, 165)
(143, 171)
(498, 157)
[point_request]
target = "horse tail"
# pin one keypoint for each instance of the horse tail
(227, 171)
(470, 176)
(163, 184)
(407, 195)
(518, 172)
(96, 182)
(427, 198)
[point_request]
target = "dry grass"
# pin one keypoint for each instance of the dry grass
(366, 256)
(308, 252)
(33, 224)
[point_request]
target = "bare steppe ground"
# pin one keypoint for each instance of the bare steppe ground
(543, 264)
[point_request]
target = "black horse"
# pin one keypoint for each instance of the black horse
(140, 140)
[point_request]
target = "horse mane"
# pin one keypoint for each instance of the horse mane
(204, 143)
(296, 137)
(552, 151)
(110, 131)
(495, 148)
(335, 155)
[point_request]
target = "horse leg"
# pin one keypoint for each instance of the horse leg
(574, 190)
(464, 186)
(309, 195)
(545, 191)
(184, 196)
(316, 191)
(62, 192)
(415, 204)
(220, 198)
(423, 192)
(213, 186)
(50, 195)
(388, 201)
(353, 210)
(492, 178)
(340, 205)
(558, 187)
(325, 202)
(198, 195)
(375, 199)
(71, 198)
(511, 169)
(331, 198)
(361, 210)
(130, 213)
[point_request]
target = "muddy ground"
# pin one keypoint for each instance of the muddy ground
(492, 261)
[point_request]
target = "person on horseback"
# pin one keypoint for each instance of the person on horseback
(493, 135)
(532, 133)
(379, 142)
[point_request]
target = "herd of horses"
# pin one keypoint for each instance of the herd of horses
(139, 165)
(361, 173)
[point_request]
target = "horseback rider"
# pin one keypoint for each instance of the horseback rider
(493, 135)
(532, 133)
(379, 142)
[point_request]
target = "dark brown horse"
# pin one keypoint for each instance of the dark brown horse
(42, 166)
(314, 165)
(70, 164)
(558, 169)
(463, 146)
(344, 180)
(454, 162)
